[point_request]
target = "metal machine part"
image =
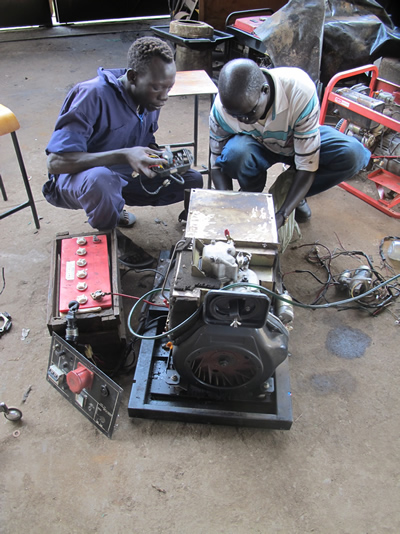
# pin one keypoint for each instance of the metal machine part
(376, 137)
(12, 414)
(179, 162)
(5, 323)
(227, 348)
(87, 388)
(357, 281)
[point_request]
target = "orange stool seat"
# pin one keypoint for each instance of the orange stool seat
(8, 125)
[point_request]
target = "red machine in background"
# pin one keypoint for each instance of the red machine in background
(371, 114)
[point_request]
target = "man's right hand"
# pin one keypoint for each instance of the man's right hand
(142, 159)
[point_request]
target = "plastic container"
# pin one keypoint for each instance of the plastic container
(394, 250)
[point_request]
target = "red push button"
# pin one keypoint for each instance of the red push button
(80, 378)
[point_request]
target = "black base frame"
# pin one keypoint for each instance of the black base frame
(157, 394)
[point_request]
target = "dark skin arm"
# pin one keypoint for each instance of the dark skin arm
(137, 157)
(302, 182)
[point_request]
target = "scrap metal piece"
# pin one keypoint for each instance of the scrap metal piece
(5, 322)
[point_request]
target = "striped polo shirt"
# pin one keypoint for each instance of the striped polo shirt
(291, 127)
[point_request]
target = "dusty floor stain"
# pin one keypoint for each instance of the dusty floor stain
(337, 382)
(347, 342)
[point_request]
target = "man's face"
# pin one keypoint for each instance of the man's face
(249, 108)
(150, 88)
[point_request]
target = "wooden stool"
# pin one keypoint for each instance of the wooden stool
(8, 125)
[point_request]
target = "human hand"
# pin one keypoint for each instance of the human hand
(142, 159)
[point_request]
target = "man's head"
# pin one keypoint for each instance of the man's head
(244, 90)
(151, 72)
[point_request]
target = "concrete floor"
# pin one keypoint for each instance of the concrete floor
(337, 469)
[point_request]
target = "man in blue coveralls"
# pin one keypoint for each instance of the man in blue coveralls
(105, 132)
(261, 117)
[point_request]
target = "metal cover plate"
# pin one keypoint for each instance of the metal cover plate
(249, 217)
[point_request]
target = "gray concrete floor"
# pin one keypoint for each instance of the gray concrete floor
(335, 471)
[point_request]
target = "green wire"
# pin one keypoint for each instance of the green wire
(260, 288)
(313, 306)
(158, 336)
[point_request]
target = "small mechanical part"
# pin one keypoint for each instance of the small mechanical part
(358, 281)
(218, 261)
(96, 239)
(5, 323)
(12, 414)
(97, 295)
(81, 241)
(81, 262)
(104, 391)
(82, 273)
(55, 374)
(81, 251)
(79, 379)
(26, 394)
(81, 299)
(81, 399)
(269, 385)
(71, 330)
(81, 286)
(179, 162)
(284, 310)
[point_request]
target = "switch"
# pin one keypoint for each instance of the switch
(80, 378)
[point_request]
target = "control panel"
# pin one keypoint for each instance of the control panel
(84, 385)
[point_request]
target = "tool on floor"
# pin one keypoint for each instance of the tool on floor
(5, 322)
(12, 414)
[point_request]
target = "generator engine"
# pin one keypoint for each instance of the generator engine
(218, 352)
(227, 334)
(380, 140)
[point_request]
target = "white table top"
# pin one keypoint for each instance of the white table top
(193, 82)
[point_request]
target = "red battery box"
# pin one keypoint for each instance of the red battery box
(84, 269)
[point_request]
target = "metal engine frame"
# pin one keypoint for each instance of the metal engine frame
(381, 177)
(156, 394)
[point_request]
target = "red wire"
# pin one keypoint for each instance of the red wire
(387, 157)
(137, 298)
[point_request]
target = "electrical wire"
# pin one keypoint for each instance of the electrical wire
(312, 306)
(316, 258)
(134, 298)
(142, 271)
(261, 289)
(4, 280)
(164, 334)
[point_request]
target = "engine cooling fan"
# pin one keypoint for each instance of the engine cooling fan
(225, 359)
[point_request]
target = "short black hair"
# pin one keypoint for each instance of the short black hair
(238, 78)
(142, 51)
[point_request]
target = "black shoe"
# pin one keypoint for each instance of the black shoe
(303, 212)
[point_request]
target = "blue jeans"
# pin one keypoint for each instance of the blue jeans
(102, 193)
(246, 160)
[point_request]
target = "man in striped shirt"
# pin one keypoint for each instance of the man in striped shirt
(261, 117)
